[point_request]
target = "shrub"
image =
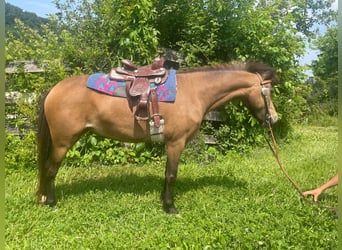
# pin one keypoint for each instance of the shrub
(238, 131)
(20, 152)
(94, 149)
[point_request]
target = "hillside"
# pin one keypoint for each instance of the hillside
(30, 19)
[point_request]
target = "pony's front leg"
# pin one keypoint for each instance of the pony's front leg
(173, 155)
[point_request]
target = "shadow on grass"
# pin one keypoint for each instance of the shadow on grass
(131, 183)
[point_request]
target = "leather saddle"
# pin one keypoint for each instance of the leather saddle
(141, 86)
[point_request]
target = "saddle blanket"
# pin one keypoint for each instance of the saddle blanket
(102, 83)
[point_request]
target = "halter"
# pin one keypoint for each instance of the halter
(264, 92)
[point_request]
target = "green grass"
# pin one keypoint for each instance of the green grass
(237, 202)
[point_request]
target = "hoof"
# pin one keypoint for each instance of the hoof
(44, 200)
(51, 203)
(170, 209)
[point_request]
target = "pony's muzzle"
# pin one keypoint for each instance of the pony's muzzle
(271, 119)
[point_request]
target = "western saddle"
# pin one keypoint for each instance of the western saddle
(141, 85)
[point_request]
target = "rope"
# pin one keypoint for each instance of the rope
(275, 150)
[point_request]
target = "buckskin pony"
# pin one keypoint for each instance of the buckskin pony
(70, 109)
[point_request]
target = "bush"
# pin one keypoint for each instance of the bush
(20, 152)
(238, 131)
(322, 113)
(93, 149)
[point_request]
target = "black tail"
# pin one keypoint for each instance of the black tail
(43, 141)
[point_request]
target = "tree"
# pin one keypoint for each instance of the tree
(44, 48)
(107, 31)
(30, 19)
(325, 68)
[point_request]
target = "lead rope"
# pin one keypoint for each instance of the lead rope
(275, 150)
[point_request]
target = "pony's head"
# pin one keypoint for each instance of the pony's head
(259, 97)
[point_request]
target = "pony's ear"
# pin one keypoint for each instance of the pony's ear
(269, 75)
(266, 72)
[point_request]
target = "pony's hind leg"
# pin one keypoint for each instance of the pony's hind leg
(47, 175)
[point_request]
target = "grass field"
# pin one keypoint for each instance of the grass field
(236, 202)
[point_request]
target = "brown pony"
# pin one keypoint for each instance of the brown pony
(70, 109)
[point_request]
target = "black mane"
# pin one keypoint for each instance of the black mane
(266, 71)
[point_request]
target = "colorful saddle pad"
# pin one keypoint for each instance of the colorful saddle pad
(102, 83)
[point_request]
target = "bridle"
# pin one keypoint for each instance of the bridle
(264, 92)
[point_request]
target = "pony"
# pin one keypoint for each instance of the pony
(70, 109)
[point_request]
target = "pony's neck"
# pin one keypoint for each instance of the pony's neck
(224, 86)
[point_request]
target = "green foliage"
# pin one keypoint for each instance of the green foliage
(237, 132)
(198, 152)
(92, 149)
(322, 114)
(20, 152)
(325, 68)
(323, 98)
(43, 49)
(184, 26)
(107, 31)
(245, 30)
(25, 43)
(327, 62)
